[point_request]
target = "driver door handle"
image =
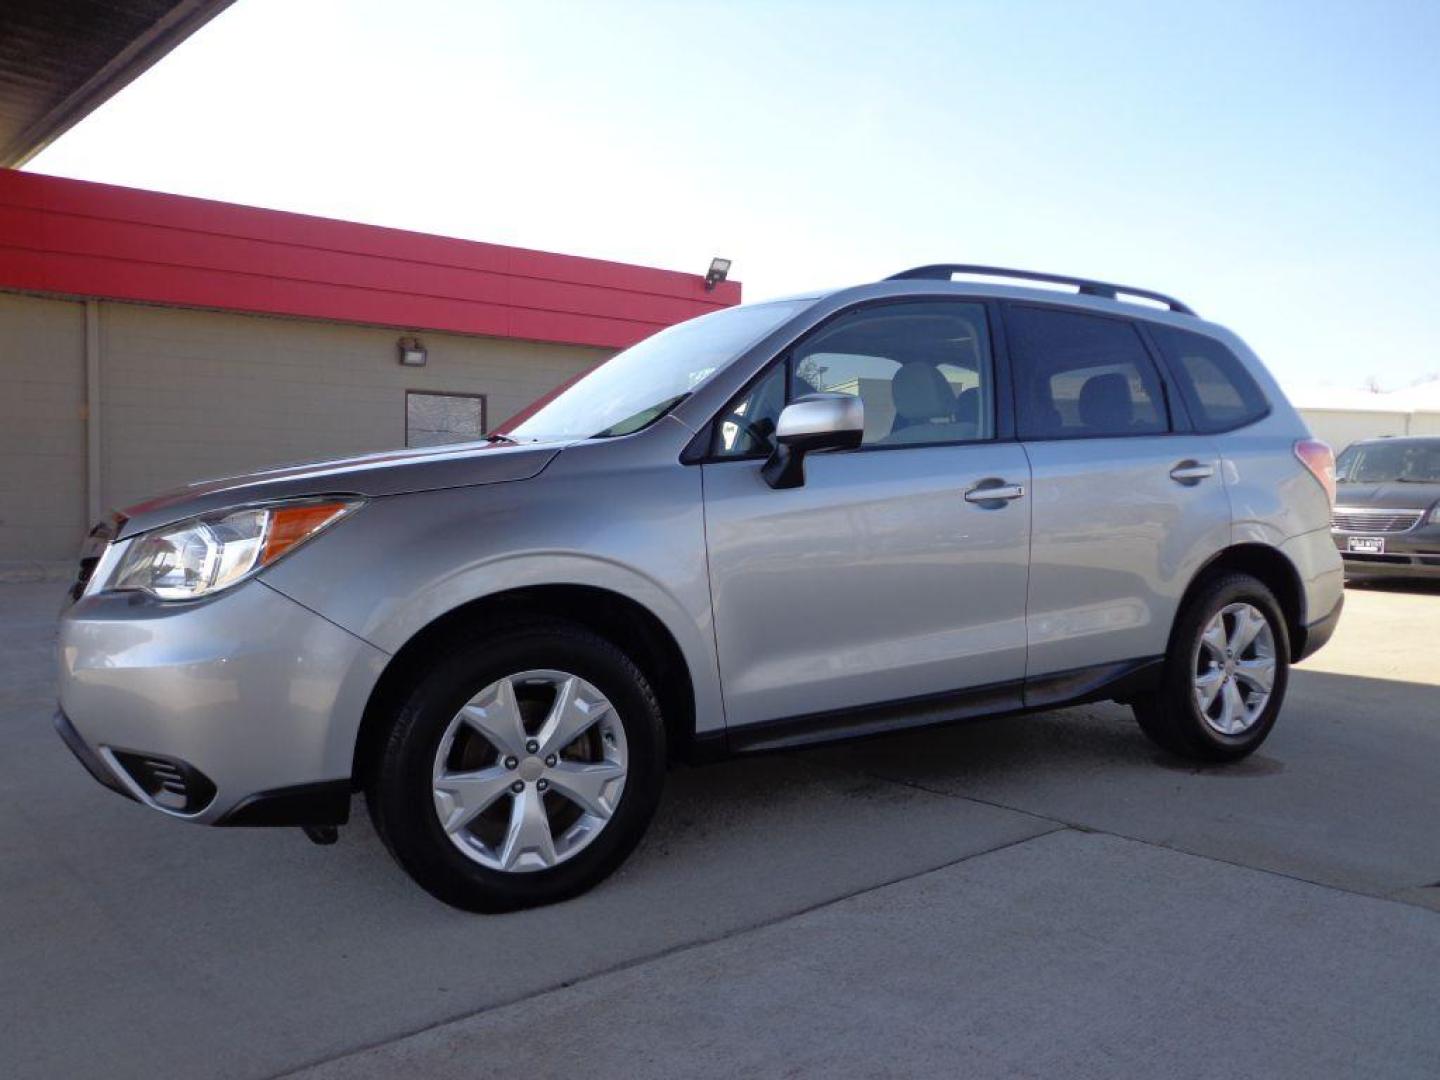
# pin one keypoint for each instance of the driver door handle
(994, 491)
(1191, 472)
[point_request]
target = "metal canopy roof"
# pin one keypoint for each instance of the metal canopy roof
(60, 59)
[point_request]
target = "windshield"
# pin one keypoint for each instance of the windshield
(1387, 462)
(643, 383)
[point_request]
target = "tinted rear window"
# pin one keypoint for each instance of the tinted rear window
(1082, 376)
(1219, 391)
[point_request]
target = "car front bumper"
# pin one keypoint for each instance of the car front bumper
(240, 709)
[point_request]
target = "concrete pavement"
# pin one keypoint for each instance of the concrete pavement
(1045, 895)
(1072, 954)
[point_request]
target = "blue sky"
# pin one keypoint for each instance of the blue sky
(1277, 165)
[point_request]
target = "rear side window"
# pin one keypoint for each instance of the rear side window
(1082, 376)
(1219, 391)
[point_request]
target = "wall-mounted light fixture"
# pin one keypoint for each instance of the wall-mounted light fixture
(719, 268)
(412, 353)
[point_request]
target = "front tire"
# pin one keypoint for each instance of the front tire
(521, 769)
(1225, 675)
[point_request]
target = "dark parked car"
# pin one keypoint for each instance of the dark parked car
(1387, 507)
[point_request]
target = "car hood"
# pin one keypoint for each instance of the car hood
(1391, 495)
(392, 472)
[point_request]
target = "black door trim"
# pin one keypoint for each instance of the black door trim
(1118, 681)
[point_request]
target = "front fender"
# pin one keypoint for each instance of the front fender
(405, 561)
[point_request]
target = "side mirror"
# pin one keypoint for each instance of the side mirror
(809, 424)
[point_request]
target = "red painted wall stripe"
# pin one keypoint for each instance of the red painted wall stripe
(78, 238)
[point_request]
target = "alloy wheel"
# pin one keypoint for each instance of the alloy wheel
(1234, 667)
(529, 771)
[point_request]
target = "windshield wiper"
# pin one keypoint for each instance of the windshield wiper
(497, 437)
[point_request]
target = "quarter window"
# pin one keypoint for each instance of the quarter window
(1219, 391)
(748, 423)
(1082, 376)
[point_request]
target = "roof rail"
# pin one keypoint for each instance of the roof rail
(945, 271)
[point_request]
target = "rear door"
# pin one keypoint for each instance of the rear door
(878, 579)
(1127, 505)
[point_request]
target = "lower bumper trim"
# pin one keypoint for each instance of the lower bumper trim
(325, 803)
(1320, 631)
(1399, 564)
(88, 757)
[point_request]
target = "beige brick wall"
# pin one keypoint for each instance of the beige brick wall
(195, 394)
(1425, 423)
(42, 428)
(1341, 427)
(187, 395)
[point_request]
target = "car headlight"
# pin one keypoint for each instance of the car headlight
(203, 555)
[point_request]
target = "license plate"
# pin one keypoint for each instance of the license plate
(1369, 545)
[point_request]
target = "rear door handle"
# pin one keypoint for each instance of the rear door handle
(1191, 472)
(994, 491)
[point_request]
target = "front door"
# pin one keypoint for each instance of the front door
(888, 576)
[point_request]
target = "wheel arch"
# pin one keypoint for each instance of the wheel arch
(630, 625)
(1271, 566)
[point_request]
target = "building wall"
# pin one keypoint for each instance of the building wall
(231, 337)
(1425, 423)
(186, 395)
(1341, 427)
(42, 427)
(71, 237)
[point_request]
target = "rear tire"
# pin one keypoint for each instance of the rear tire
(548, 829)
(1225, 675)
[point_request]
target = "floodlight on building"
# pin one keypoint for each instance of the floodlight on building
(412, 352)
(719, 269)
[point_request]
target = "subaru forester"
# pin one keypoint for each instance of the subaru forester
(902, 503)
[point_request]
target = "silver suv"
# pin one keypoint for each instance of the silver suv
(904, 503)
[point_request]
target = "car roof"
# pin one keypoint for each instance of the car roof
(1084, 286)
(1035, 286)
(900, 287)
(1421, 439)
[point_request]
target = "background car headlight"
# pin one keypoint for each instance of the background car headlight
(203, 555)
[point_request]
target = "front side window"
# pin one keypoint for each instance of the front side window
(922, 370)
(1082, 376)
(638, 386)
(1219, 391)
